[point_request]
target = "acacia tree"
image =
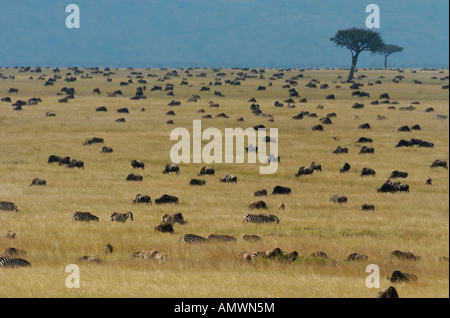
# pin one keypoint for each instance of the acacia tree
(387, 50)
(357, 40)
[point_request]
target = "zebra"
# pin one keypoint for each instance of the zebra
(13, 262)
(84, 216)
(260, 218)
(192, 238)
(121, 217)
(220, 238)
(8, 206)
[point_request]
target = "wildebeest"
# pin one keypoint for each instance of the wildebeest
(389, 292)
(8, 206)
(164, 228)
(398, 174)
(229, 179)
(399, 276)
(137, 164)
(281, 190)
(367, 172)
(76, 164)
(134, 177)
(250, 237)
(171, 167)
(173, 218)
(38, 181)
(367, 207)
(393, 187)
(357, 257)
(405, 255)
(166, 198)
(106, 149)
(365, 149)
(207, 171)
(94, 140)
(338, 198)
(345, 168)
(53, 159)
(64, 161)
(439, 163)
(260, 193)
(140, 198)
(340, 149)
(428, 180)
(197, 182)
(258, 205)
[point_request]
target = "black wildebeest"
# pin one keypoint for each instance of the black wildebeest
(229, 179)
(365, 149)
(340, 149)
(141, 198)
(439, 163)
(389, 292)
(94, 140)
(399, 276)
(281, 190)
(76, 164)
(53, 159)
(137, 164)
(164, 228)
(398, 174)
(171, 167)
(166, 198)
(367, 207)
(106, 149)
(258, 205)
(260, 193)
(65, 161)
(338, 198)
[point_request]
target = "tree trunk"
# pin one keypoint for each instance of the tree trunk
(385, 62)
(352, 69)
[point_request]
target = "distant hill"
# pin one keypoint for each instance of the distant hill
(227, 33)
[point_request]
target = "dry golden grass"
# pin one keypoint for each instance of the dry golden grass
(416, 221)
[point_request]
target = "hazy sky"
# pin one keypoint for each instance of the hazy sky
(217, 33)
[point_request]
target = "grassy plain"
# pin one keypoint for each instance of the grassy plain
(417, 221)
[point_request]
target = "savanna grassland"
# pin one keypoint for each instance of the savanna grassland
(417, 221)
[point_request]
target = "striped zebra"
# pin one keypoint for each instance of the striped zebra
(220, 238)
(192, 238)
(84, 216)
(8, 206)
(260, 218)
(13, 262)
(121, 217)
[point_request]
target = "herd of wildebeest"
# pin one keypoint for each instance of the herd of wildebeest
(14, 257)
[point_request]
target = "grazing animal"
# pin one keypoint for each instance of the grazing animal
(76, 164)
(281, 206)
(281, 190)
(137, 164)
(439, 163)
(398, 174)
(207, 171)
(90, 259)
(37, 181)
(258, 205)
(140, 198)
(53, 159)
(150, 255)
(304, 171)
(108, 248)
(345, 168)
(65, 161)
(389, 292)
(357, 257)
(220, 238)
(106, 149)
(173, 218)
(251, 237)
(121, 217)
(134, 177)
(166, 198)
(197, 182)
(399, 276)
(367, 172)
(94, 140)
(11, 252)
(13, 262)
(340, 149)
(428, 180)
(338, 198)
(229, 179)
(171, 167)
(84, 216)
(8, 206)
(260, 218)
(10, 235)
(405, 255)
(365, 149)
(164, 228)
(192, 238)
(367, 207)
(260, 193)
